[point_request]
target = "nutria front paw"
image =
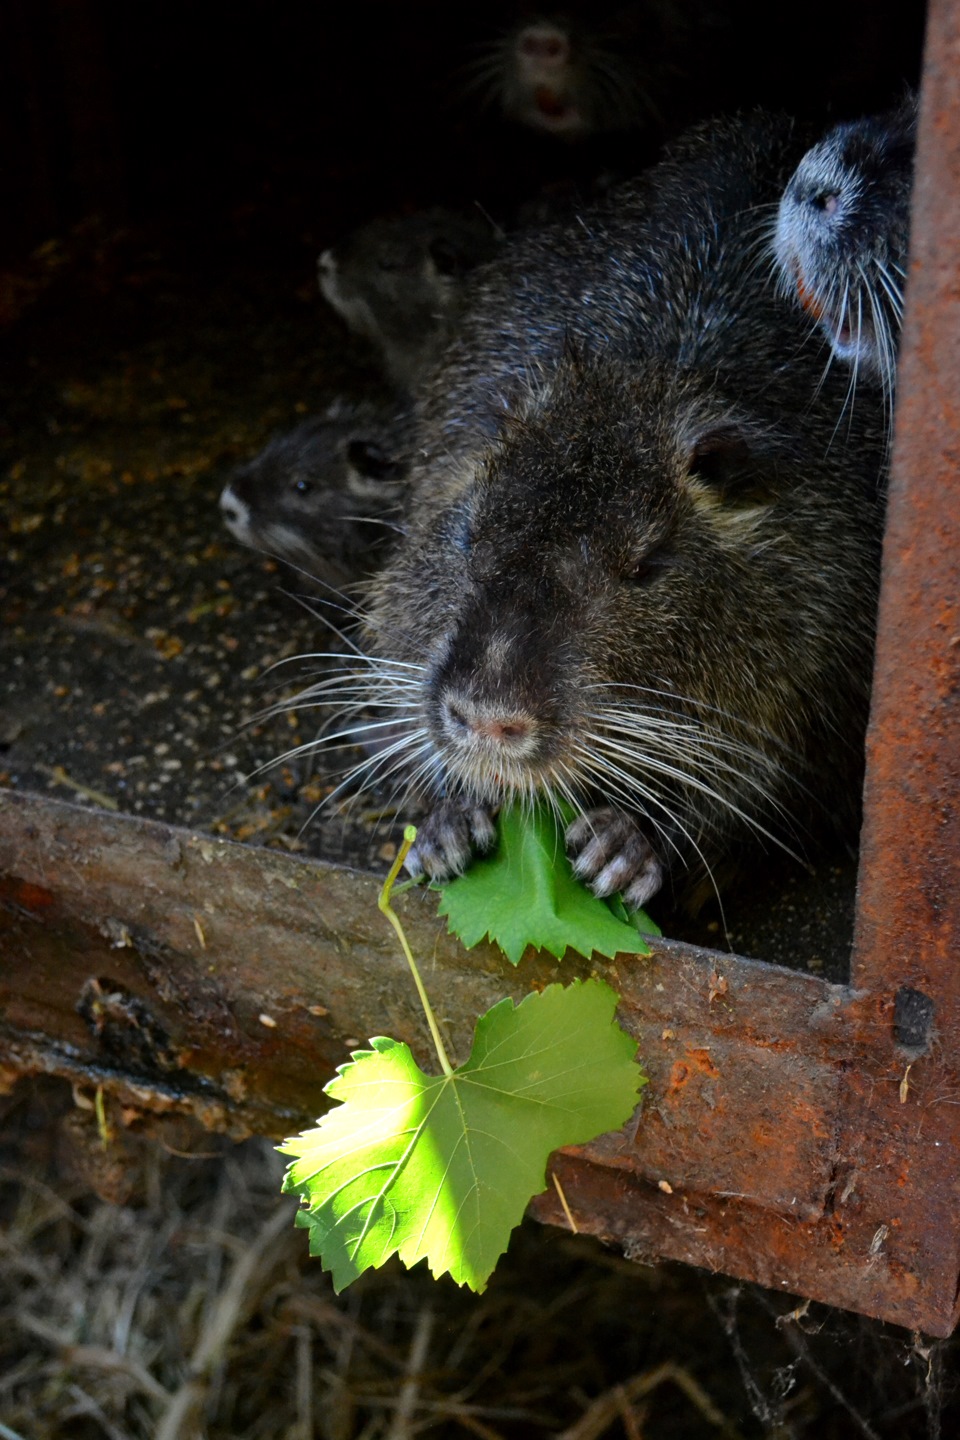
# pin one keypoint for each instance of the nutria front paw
(610, 852)
(448, 839)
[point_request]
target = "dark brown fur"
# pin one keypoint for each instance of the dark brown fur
(644, 580)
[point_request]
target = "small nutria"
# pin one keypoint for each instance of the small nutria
(399, 283)
(647, 587)
(842, 232)
(325, 497)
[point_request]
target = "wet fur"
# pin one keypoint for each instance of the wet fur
(593, 281)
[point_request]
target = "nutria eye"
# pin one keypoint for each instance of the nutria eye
(717, 456)
(302, 487)
(446, 258)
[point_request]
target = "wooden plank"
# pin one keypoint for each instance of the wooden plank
(734, 1163)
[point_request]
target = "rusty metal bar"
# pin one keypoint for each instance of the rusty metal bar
(907, 937)
(909, 898)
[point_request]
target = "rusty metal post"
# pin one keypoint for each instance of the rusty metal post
(907, 943)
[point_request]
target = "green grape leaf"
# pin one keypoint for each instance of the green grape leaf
(442, 1167)
(526, 893)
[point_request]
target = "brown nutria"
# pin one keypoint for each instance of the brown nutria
(325, 496)
(843, 227)
(640, 575)
(398, 282)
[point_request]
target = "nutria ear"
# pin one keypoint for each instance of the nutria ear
(721, 460)
(372, 461)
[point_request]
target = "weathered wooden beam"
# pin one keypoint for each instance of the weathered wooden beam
(186, 973)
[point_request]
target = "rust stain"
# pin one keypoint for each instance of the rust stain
(697, 1062)
(26, 896)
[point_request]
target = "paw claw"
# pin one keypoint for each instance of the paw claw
(448, 838)
(610, 852)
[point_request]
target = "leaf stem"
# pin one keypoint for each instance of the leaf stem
(409, 835)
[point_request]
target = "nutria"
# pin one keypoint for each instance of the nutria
(843, 227)
(598, 68)
(325, 496)
(640, 567)
(564, 77)
(398, 282)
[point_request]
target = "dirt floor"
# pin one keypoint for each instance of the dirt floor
(139, 639)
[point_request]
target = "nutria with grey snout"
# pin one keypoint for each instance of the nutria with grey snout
(325, 496)
(640, 568)
(842, 235)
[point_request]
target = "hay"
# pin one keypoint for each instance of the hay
(192, 1312)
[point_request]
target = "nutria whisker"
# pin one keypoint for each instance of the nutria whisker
(673, 699)
(604, 766)
(643, 755)
(688, 743)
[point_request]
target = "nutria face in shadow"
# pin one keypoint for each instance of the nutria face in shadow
(325, 496)
(586, 69)
(842, 234)
(543, 79)
(399, 282)
(647, 602)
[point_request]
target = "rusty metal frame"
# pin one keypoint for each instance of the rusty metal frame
(796, 1133)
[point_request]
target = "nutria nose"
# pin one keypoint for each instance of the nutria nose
(464, 719)
(543, 43)
(326, 263)
(234, 510)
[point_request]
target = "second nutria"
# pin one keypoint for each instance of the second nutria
(324, 496)
(398, 282)
(843, 228)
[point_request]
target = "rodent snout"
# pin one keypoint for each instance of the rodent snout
(469, 722)
(236, 515)
(546, 45)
